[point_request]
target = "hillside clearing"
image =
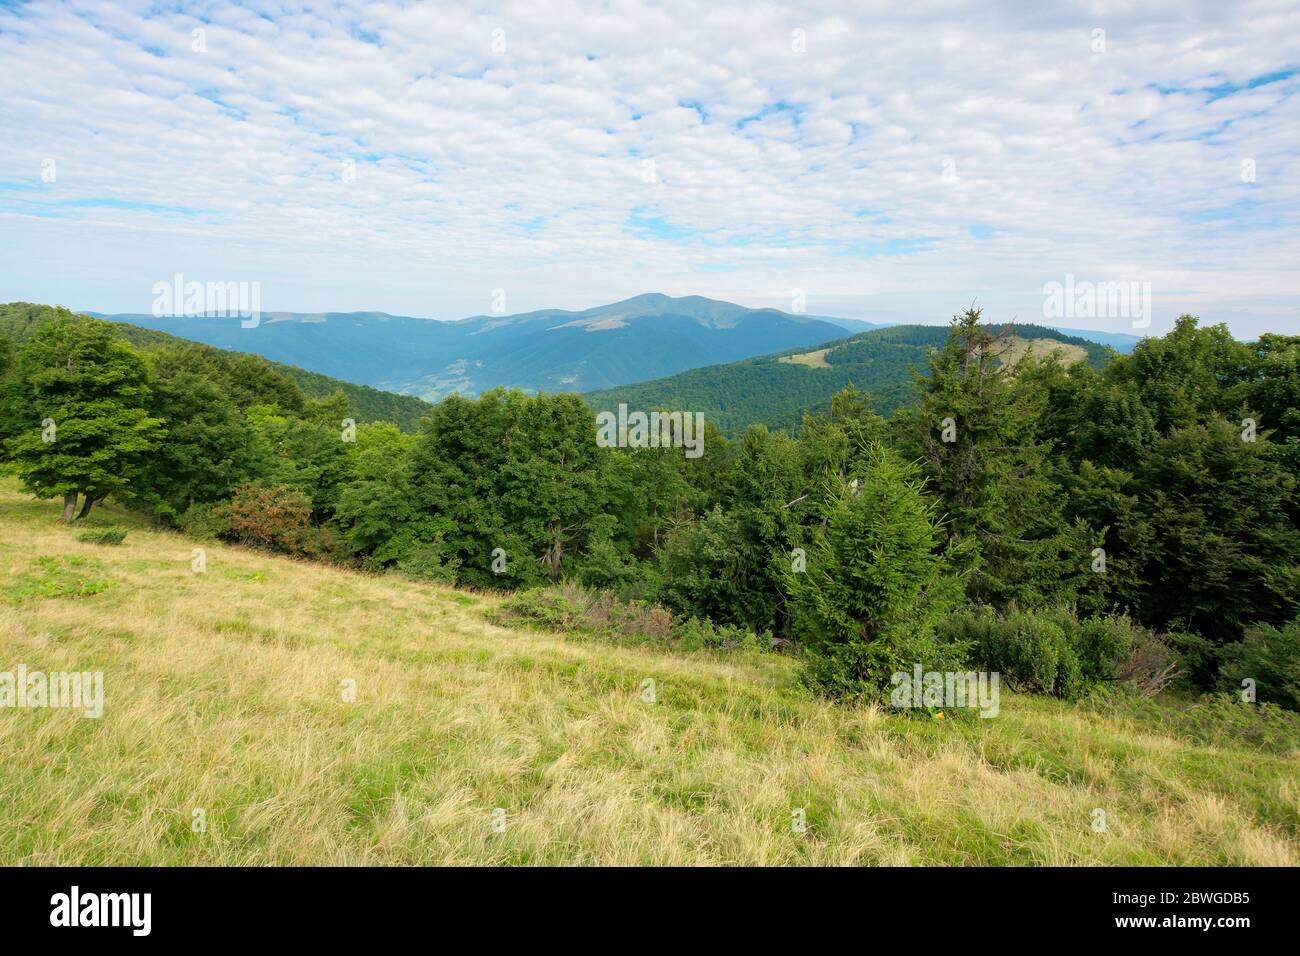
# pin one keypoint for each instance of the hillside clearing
(224, 693)
(815, 359)
(1066, 352)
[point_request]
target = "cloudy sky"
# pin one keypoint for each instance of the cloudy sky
(895, 162)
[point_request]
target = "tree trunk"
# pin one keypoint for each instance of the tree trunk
(69, 505)
(89, 503)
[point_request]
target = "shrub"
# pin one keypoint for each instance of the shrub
(1105, 644)
(694, 633)
(1270, 657)
(205, 521)
(1198, 659)
(1152, 665)
(605, 565)
(547, 608)
(863, 671)
(428, 561)
(277, 518)
(112, 535)
(1047, 651)
(607, 613)
(701, 573)
(1033, 651)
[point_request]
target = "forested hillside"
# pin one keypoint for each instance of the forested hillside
(1069, 527)
(365, 404)
(777, 391)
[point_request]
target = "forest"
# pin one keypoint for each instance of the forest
(1134, 521)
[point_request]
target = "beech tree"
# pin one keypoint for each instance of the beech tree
(85, 397)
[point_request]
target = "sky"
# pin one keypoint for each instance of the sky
(893, 162)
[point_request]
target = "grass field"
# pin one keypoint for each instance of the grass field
(224, 692)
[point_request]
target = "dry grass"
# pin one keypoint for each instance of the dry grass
(223, 692)
(1018, 348)
(815, 359)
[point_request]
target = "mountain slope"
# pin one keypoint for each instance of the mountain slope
(366, 403)
(645, 337)
(321, 716)
(777, 389)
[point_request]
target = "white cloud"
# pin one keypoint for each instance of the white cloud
(523, 168)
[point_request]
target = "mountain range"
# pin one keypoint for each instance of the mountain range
(645, 337)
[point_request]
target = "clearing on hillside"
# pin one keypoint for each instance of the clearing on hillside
(815, 359)
(1067, 352)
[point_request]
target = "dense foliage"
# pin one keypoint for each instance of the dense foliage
(1065, 526)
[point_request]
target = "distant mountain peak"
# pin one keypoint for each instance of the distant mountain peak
(647, 336)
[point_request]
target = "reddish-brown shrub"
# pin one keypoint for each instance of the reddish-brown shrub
(277, 518)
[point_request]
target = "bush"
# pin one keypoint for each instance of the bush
(205, 521)
(858, 671)
(701, 573)
(277, 518)
(546, 608)
(1047, 651)
(1034, 653)
(1271, 658)
(1198, 659)
(112, 535)
(428, 561)
(694, 633)
(1152, 666)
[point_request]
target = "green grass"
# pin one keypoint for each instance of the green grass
(319, 716)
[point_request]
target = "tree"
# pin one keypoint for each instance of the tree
(768, 499)
(1220, 550)
(510, 483)
(876, 581)
(306, 452)
(1189, 375)
(208, 450)
(975, 433)
(86, 398)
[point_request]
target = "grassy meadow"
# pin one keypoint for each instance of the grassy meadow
(225, 692)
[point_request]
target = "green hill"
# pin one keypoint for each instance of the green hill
(366, 403)
(777, 389)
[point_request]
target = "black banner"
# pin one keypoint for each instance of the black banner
(927, 905)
